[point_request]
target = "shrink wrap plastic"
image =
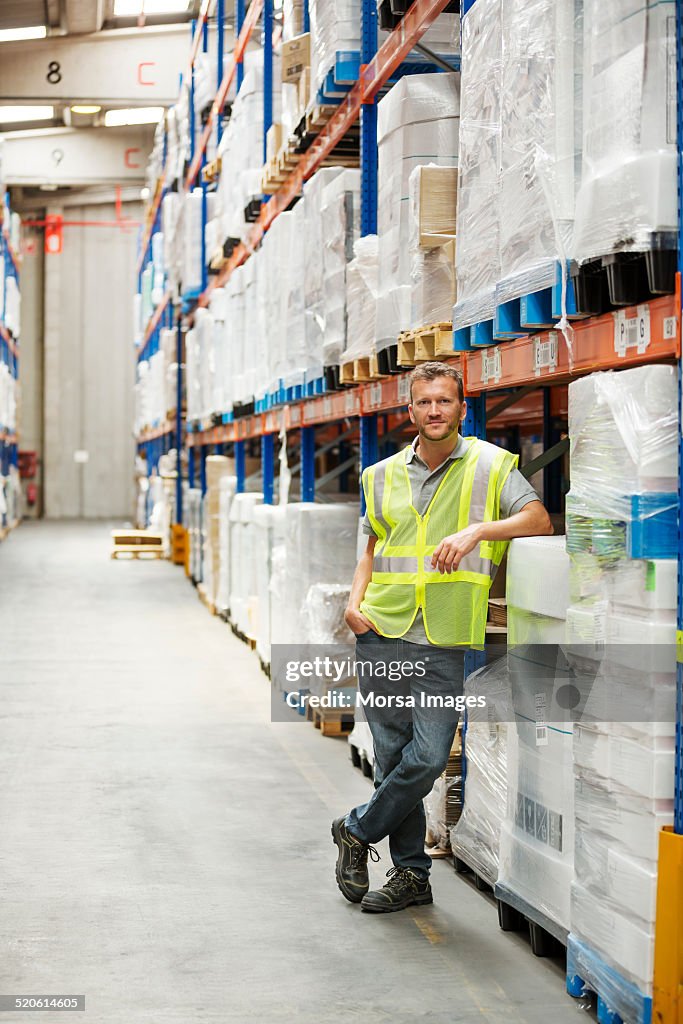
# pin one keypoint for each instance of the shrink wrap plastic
(361, 299)
(194, 531)
(325, 252)
(536, 843)
(294, 332)
(340, 219)
(476, 837)
(621, 638)
(269, 532)
(417, 123)
(540, 105)
(312, 558)
(628, 190)
(477, 259)
(323, 613)
(8, 400)
(243, 568)
(191, 218)
(227, 489)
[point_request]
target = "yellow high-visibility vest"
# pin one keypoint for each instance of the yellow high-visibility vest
(454, 605)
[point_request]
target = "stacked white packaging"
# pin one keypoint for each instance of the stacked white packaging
(268, 532)
(227, 489)
(315, 278)
(243, 568)
(194, 531)
(537, 840)
(477, 258)
(628, 184)
(340, 222)
(362, 283)
(622, 636)
(475, 839)
(311, 558)
(417, 123)
(540, 95)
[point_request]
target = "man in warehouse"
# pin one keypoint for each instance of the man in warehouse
(439, 516)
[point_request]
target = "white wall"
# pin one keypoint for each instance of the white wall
(89, 368)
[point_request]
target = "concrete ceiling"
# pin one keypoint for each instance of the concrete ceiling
(76, 17)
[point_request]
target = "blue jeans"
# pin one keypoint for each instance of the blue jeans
(411, 745)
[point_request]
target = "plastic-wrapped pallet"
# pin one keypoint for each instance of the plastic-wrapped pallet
(311, 558)
(477, 256)
(417, 123)
(335, 27)
(340, 220)
(323, 612)
(279, 596)
(294, 333)
(315, 282)
(243, 570)
(362, 284)
(621, 633)
(476, 836)
(227, 488)
(540, 97)
(235, 329)
(191, 272)
(194, 521)
(443, 806)
(623, 434)
(269, 532)
(627, 201)
(536, 840)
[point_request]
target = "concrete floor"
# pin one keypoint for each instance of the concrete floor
(165, 849)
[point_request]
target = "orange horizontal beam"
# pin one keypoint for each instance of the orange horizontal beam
(161, 431)
(596, 345)
(149, 220)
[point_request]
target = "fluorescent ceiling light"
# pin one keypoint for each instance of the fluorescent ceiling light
(15, 115)
(133, 8)
(13, 35)
(133, 115)
(86, 108)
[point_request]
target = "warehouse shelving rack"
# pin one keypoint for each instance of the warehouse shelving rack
(508, 370)
(9, 350)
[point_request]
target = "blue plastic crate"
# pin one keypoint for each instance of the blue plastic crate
(507, 323)
(536, 310)
(653, 529)
(618, 999)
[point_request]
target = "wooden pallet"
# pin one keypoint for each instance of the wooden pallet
(331, 722)
(212, 170)
(406, 349)
(346, 371)
(361, 370)
(374, 370)
(434, 342)
(137, 544)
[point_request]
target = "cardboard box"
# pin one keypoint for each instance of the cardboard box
(296, 56)
(436, 191)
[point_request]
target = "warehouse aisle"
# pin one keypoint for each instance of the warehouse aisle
(165, 849)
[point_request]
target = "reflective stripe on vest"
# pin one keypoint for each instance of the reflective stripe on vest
(403, 576)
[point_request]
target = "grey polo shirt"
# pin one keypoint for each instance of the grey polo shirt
(517, 492)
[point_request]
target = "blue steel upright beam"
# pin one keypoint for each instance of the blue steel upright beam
(306, 18)
(202, 468)
(205, 215)
(240, 466)
(368, 126)
(308, 463)
(268, 467)
(267, 38)
(369, 449)
(190, 467)
(240, 11)
(179, 425)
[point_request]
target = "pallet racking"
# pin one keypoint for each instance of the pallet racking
(504, 372)
(9, 348)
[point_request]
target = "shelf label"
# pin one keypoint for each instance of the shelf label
(310, 412)
(327, 407)
(491, 366)
(670, 328)
(545, 354)
(404, 389)
(632, 332)
(375, 395)
(294, 414)
(351, 403)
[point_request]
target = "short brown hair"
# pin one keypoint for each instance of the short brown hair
(430, 371)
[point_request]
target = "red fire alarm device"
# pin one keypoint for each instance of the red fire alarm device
(54, 234)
